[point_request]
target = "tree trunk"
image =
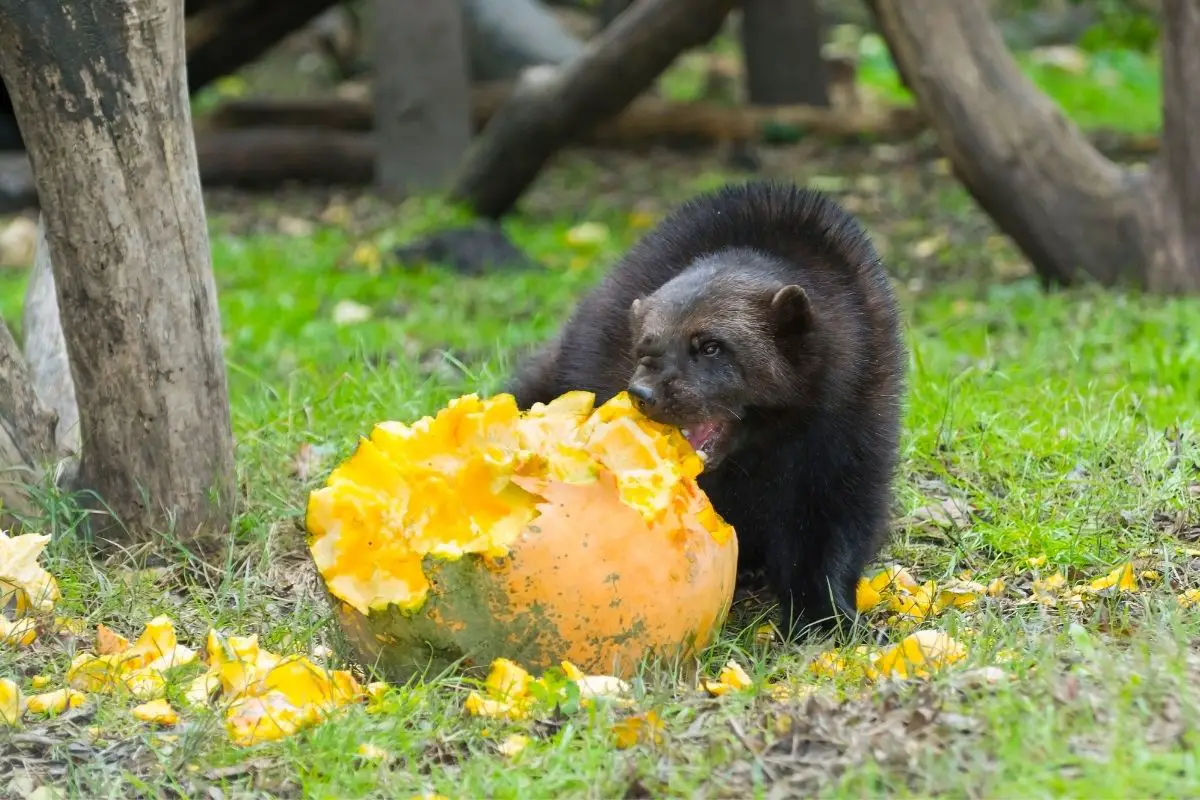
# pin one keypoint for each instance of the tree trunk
(506, 37)
(101, 93)
(421, 92)
(781, 44)
(1173, 215)
(545, 114)
(1075, 214)
(46, 348)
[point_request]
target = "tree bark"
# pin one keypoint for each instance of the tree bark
(101, 93)
(781, 45)
(544, 114)
(1172, 217)
(46, 348)
(422, 94)
(26, 432)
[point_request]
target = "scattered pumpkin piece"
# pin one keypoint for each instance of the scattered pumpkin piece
(109, 642)
(1122, 578)
(10, 702)
(39, 681)
(731, 678)
(23, 581)
(18, 634)
(55, 702)
(512, 745)
(640, 728)
(918, 654)
(136, 668)
(1189, 598)
(158, 712)
(373, 752)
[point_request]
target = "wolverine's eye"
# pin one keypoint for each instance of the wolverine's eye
(710, 348)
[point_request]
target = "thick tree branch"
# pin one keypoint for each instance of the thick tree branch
(1072, 211)
(545, 114)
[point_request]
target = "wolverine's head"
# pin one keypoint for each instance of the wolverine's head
(718, 344)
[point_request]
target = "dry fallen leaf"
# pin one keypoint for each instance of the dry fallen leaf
(349, 312)
(587, 234)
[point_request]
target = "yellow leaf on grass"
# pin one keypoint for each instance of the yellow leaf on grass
(641, 728)
(158, 712)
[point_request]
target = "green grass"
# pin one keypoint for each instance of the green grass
(1066, 420)
(1115, 88)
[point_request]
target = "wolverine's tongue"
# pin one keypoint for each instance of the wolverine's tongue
(702, 434)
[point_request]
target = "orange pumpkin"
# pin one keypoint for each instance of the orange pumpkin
(565, 532)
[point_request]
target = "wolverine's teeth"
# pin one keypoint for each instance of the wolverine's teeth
(687, 434)
(703, 455)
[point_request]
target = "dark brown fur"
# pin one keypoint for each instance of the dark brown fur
(763, 308)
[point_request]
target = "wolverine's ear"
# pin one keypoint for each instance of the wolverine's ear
(791, 308)
(636, 310)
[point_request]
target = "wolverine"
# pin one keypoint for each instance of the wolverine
(760, 320)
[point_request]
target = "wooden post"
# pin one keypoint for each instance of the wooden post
(422, 94)
(781, 44)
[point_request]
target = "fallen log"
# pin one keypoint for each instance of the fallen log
(648, 119)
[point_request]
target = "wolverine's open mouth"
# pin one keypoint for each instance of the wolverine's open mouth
(707, 438)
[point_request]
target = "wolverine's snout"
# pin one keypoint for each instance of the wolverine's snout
(644, 396)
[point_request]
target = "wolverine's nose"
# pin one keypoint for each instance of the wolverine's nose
(643, 396)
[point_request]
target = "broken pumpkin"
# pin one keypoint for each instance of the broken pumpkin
(567, 531)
